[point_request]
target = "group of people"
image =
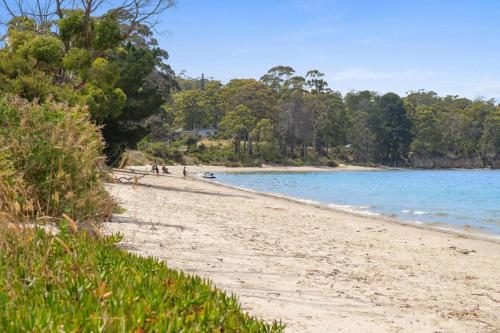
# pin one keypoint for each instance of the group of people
(155, 168)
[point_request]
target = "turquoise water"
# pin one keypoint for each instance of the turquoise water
(456, 198)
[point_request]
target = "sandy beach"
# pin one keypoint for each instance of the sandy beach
(314, 268)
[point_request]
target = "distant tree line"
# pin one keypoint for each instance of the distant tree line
(104, 56)
(293, 116)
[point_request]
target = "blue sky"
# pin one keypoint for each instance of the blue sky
(447, 46)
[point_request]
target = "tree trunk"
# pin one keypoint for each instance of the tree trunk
(237, 144)
(87, 23)
(249, 150)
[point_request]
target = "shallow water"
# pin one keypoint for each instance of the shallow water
(464, 199)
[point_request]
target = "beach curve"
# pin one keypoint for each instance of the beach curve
(317, 270)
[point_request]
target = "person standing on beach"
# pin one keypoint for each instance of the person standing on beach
(184, 173)
(155, 169)
(164, 169)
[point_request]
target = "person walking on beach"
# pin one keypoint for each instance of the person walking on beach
(184, 173)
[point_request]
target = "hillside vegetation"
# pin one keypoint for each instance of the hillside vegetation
(286, 118)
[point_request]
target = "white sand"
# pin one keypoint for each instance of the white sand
(316, 269)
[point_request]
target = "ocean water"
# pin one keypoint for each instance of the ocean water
(468, 200)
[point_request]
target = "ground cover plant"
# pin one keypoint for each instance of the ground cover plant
(75, 282)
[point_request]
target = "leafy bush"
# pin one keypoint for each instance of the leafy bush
(230, 164)
(49, 156)
(332, 164)
(77, 283)
(163, 151)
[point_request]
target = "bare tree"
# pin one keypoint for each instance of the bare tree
(134, 15)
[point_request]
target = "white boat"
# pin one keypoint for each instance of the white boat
(208, 175)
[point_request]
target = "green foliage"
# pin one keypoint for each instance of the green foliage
(146, 81)
(45, 49)
(188, 109)
(104, 102)
(35, 86)
(280, 118)
(78, 60)
(103, 73)
(253, 94)
(107, 32)
(20, 30)
(71, 27)
(51, 152)
(105, 62)
(490, 140)
(76, 282)
(163, 151)
(453, 127)
(238, 124)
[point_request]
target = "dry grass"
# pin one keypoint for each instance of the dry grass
(216, 142)
(49, 163)
(137, 157)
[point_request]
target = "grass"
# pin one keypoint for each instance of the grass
(74, 282)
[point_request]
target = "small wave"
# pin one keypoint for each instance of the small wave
(415, 212)
(307, 201)
(353, 209)
(440, 214)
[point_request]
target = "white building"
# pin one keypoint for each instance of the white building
(203, 132)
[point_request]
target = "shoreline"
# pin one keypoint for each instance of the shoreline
(474, 233)
(316, 268)
(265, 168)
(484, 236)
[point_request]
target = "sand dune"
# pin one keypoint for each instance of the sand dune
(316, 269)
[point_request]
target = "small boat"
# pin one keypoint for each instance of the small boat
(208, 175)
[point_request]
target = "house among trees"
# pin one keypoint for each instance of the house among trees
(203, 132)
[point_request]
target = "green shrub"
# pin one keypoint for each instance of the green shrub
(332, 164)
(163, 151)
(230, 164)
(156, 149)
(77, 283)
(49, 156)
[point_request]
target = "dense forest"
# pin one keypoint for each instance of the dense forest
(286, 117)
(112, 64)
